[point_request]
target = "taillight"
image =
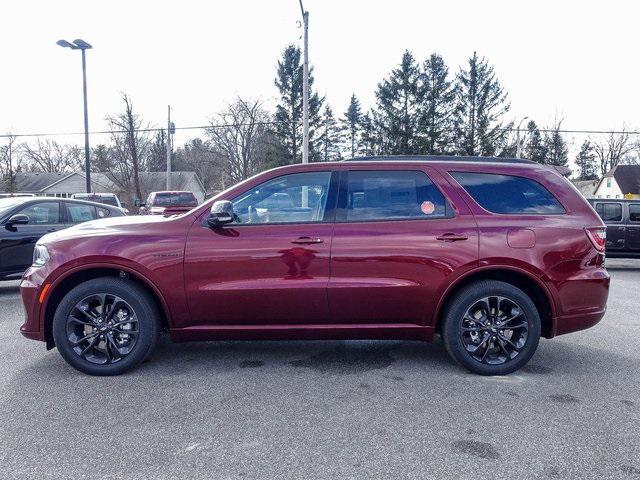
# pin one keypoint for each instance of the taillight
(598, 237)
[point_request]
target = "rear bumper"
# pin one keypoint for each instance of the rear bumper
(582, 299)
(575, 323)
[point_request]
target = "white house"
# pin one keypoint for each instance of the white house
(622, 181)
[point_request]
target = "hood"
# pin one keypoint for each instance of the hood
(108, 226)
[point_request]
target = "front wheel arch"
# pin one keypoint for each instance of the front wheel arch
(75, 277)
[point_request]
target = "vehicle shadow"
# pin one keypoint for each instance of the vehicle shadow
(322, 357)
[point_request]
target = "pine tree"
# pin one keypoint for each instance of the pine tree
(556, 147)
(330, 136)
(586, 162)
(398, 105)
(436, 109)
(288, 117)
(352, 125)
(481, 103)
(535, 149)
(369, 140)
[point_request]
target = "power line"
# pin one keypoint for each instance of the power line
(226, 125)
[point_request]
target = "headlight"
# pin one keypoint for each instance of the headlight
(40, 255)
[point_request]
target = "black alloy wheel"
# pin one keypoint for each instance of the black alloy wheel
(102, 328)
(106, 326)
(491, 327)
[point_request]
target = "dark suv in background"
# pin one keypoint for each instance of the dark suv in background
(490, 253)
(622, 218)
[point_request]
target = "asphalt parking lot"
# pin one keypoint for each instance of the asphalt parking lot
(328, 409)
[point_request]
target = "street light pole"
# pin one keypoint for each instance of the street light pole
(81, 45)
(518, 148)
(305, 87)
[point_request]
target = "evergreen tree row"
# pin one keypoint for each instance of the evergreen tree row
(421, 109)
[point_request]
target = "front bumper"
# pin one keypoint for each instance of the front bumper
(30, 290)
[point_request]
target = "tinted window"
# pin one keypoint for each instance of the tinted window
(508, 194)
(609, 212)
(295, 198)
(179, 199)
(44, 213)
(634, 212)
(81, 213)
(392, 195)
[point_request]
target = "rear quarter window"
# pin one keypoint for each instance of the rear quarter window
(509, 194)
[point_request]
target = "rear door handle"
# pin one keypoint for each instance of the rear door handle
(451, 237)
(306, 240)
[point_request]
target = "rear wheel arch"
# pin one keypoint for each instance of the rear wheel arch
(532, 286)
(77, 276)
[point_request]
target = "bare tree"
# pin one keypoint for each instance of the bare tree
(130, 145)
(238, 134)
(9, 161)
(198, 156)
(613, 150)
(51, 156)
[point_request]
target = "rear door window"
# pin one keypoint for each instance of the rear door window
(78, 213)
(374, 195)
(509, 194)
(634, 212)
(609, 212)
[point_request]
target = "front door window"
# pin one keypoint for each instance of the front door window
(295, 198)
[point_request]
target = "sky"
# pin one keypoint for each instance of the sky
(570, 60)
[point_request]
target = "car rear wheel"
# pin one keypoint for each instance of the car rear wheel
(106, 326)
(491, 328)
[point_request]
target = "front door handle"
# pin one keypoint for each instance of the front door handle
(306, 240)
(451, 237)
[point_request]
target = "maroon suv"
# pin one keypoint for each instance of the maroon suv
(490, 253)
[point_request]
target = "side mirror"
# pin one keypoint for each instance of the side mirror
(17, 219)
(221, 214)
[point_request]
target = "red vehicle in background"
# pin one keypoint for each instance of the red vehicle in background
(168, 203)
(491, 254)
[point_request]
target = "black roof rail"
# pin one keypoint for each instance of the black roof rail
(436, 158)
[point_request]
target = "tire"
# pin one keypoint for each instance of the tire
(476, 325)
(131, 336)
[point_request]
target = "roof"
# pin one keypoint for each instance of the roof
(155, 181)
(436, 158)
(586, 187)
(627, 177)
(39, 182)
(34, 182)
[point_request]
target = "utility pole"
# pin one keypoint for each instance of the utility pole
(305, 87)
(518, 147)
(170, 130)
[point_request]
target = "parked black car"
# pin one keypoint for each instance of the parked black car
(23, 220)
(622, 218)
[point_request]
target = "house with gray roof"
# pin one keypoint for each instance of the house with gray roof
(66, 184)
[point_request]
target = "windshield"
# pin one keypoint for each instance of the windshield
(182, 199)
(8, 204)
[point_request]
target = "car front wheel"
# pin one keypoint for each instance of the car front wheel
(106, 326)
(491, 328)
